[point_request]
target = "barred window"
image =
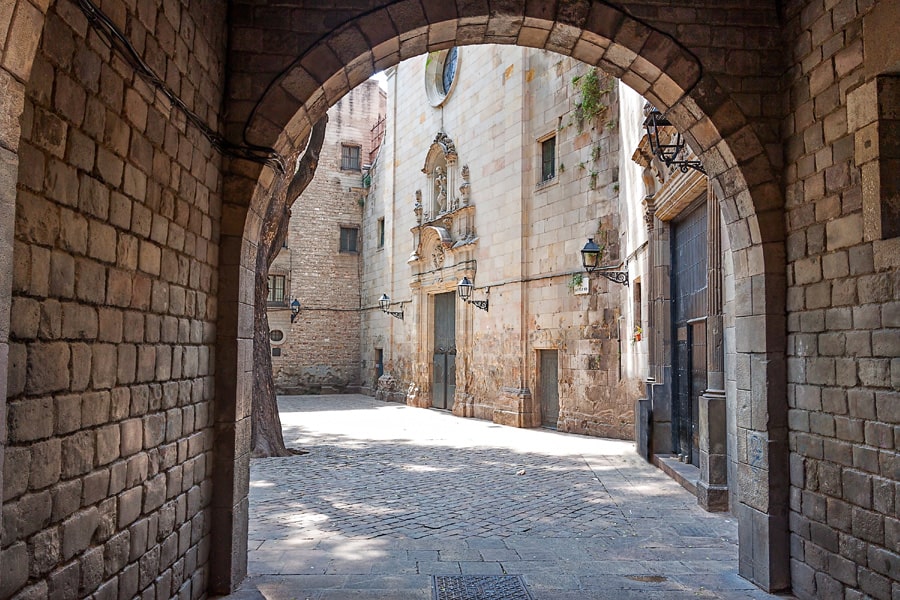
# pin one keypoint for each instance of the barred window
(548, 159)
(350, 158)
(349, 236)
(276, 289)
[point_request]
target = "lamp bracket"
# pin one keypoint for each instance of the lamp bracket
(397, 314)
(614, 276)
(482, 304)
(684, 165)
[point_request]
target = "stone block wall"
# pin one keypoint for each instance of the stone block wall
(321, 348)
(80, 144)
(107, 477)
(529, 234)
(843, 305)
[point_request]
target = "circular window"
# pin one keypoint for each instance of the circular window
(448, 74)
(440, 74)
(276, 335)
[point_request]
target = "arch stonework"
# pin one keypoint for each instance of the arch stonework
(724, 92)
(21, 24)
(648, 56)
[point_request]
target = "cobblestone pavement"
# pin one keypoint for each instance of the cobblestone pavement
(390, 495)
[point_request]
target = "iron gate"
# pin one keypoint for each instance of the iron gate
(688, 320)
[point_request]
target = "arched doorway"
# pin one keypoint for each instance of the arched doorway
(298, 90)
(347, 49)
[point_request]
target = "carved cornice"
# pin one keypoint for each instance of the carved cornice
(442, 234)
(642, 154)
(678, 192)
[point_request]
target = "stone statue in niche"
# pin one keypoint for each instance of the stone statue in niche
(417, 207)
(464, 188)
(440, 190)
(649, 181)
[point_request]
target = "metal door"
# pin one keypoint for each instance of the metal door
(688, 320)
(684, 425)
(548, 376)
(444, 357)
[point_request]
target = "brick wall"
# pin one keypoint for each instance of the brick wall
(321, 348)
(843, 309)
(107, 468)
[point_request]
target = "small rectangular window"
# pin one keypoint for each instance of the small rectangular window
(349, 236)
(381, 233)
(638, 318)
(276, 289)
(548, 159)
(350, 158)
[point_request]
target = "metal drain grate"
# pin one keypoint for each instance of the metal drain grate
(479, 587)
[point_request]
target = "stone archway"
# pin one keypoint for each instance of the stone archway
(275, 106)
(24, 23)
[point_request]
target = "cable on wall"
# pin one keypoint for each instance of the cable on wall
(118, 41)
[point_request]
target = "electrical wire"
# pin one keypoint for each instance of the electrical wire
(118, 41)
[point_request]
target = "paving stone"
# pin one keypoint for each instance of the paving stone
(388, 496)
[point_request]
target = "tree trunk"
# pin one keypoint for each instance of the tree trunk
(266, 435)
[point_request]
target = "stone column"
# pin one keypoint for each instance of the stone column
(712, 488)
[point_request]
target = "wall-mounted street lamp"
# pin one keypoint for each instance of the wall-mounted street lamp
(591, 255)
(464, 290)
(385, 302)
(295, 309)
(668, 152)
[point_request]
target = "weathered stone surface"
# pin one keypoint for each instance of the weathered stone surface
(45, 548)
(45, 464)
(77, 453)
(14, 567)
(77, 532)
(31, 419)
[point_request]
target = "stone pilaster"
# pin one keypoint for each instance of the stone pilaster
(712, 488)
(659, 325)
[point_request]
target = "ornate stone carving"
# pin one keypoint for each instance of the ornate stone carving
(649, 211)
(446, 144)
(417, 207)
(464, 188)
(437, 256)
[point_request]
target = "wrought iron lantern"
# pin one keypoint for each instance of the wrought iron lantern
(464, 290)
(591, 255)
(385, 302)
(669, 150)
(295, 309)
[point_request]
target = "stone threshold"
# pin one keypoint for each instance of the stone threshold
(685, 474)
